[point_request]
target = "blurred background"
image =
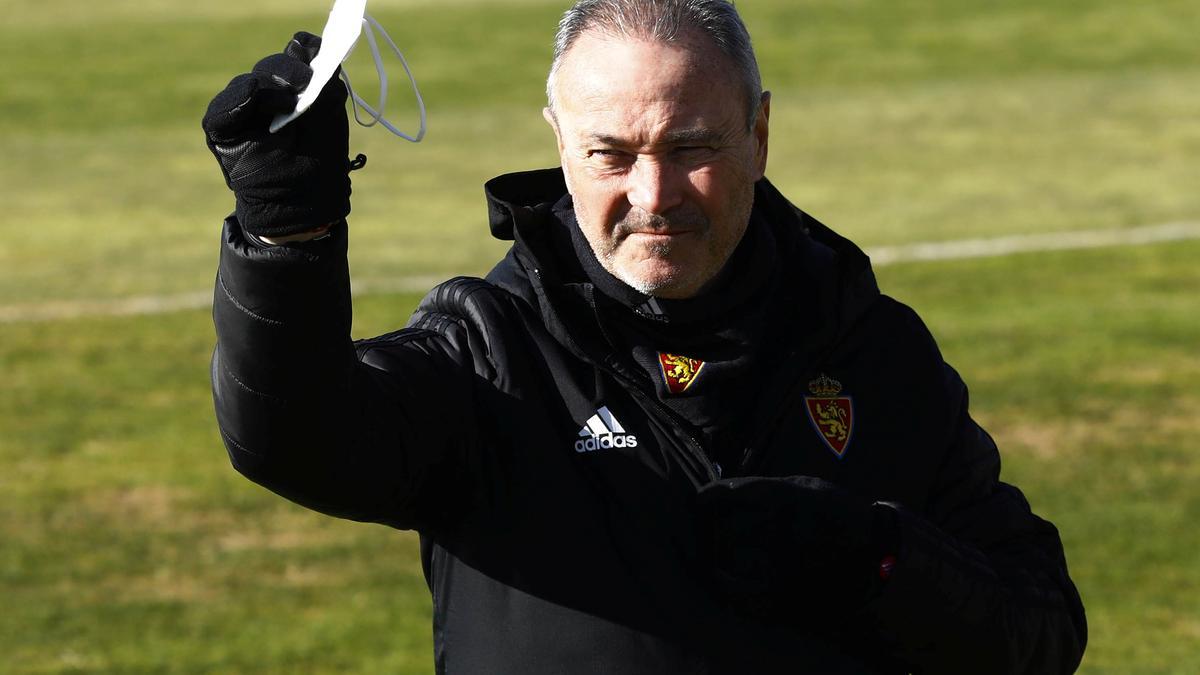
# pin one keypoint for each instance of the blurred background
(1063, 135)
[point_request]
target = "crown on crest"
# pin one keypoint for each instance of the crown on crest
(825, 386)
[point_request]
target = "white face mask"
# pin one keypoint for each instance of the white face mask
(346, 22)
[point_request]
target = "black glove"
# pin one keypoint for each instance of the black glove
(795, 550)
(298, 178)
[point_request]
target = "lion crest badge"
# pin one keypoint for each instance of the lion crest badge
(831, 415)
(679, 372)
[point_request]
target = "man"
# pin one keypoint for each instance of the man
(677, 429)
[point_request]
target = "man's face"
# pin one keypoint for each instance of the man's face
(658, 157)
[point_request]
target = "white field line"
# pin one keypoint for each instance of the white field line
(1026, 243)
(880, 256)
(56, 310)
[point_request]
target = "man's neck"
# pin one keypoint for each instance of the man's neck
(743, 276)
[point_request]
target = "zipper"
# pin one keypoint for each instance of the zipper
(712, 468)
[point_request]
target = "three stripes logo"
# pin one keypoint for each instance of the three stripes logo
(603, 431)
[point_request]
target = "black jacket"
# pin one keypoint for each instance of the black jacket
(545, 555)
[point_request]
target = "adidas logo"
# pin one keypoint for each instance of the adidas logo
(603, 431)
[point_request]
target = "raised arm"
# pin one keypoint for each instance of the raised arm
(300, 409)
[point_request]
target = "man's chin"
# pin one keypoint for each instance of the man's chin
(660, 279)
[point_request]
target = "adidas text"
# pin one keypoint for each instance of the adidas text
(606, 441)
(604, 431)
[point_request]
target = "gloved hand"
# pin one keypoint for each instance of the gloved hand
(795, 550)
(298, 178)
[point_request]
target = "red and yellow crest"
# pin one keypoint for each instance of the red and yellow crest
(679, 372)
(831, 415)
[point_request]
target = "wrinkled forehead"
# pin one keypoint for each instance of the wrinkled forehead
(691, 40)
(617, 75)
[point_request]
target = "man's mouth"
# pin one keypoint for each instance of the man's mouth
(659, 230)
(663, 234)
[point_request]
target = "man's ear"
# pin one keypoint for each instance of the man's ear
(761, 132)
(548, 114)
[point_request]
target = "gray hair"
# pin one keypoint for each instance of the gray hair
(663, 21)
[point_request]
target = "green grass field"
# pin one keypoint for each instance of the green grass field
(129, 545)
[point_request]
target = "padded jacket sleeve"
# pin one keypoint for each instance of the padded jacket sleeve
(980, 584)
(325, 423)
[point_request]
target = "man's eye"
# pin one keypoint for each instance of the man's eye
(694, 153)
(610, 157)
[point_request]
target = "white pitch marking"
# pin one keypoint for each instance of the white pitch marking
(881, 256)
(1030, 243)
(58, 310)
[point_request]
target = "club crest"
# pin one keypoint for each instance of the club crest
(831, 415)
(679, 372)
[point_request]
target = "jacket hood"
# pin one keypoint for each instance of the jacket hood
(819, 261)
(514, 199)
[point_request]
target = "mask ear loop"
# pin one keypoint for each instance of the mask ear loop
(355, 99)
(369, 23)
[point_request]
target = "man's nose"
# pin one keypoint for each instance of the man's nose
(654, 186)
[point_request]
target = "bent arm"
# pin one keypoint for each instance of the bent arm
(302, 415)
(981, 583)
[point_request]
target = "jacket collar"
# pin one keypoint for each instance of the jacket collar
(517, 199)
(818, 261)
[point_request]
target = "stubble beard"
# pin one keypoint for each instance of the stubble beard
(718, 243)
(675, 275)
